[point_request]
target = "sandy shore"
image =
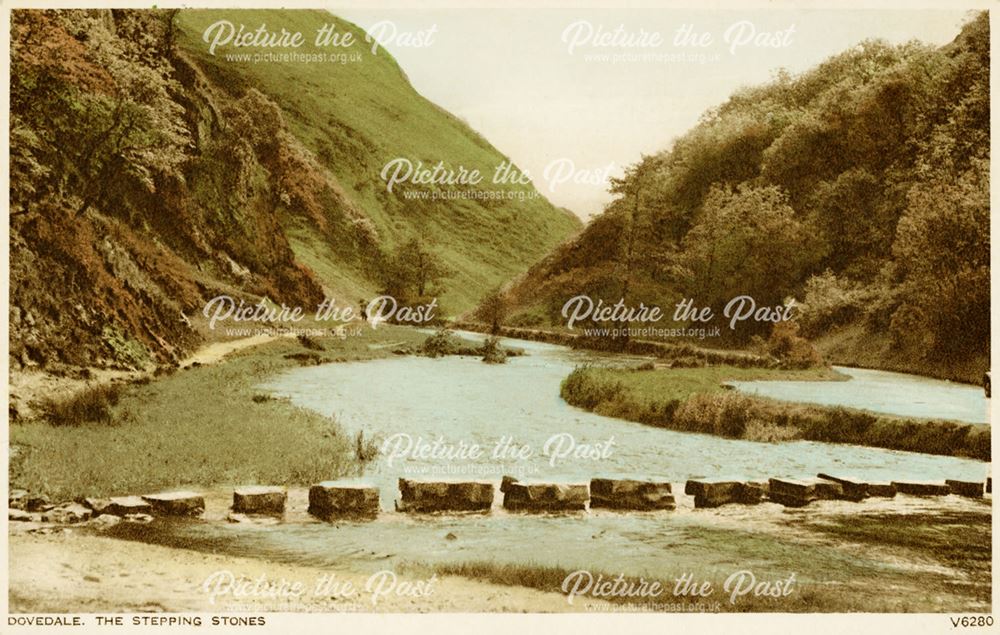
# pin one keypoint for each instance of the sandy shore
(78, 572)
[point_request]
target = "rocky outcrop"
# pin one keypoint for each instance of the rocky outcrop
(443, 496)
(176, 503)
(259, 499)
(628, 494)
(544, 497)
(331, 499)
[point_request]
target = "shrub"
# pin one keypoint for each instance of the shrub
(310, 343)
(493, 352)
(365, 450)
(93, 404)
(792, 350)
(440, 344)
(583, 390)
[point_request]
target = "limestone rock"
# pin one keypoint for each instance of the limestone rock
(259, 500)
(790, 492)
(332, 499)
(176, 503)
(19, 515)
(68, 513)
(881, 490)
(630, 494)
(546, 497)
(118, 505)
(708, 494)
(852, 489)
(970, 489)
(918, 488)
(17, 499)
(105, 521)
(444, 496)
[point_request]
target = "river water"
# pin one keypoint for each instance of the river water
(880, 391)
(460, 403)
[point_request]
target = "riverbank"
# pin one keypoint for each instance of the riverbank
(201, 425)
(908, 555)
(695, 400)
(854, 346)
(83, 573)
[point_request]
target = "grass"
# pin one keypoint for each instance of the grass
(357, 116)
(856, 563)
(694, 400)
(199, 427)
(93, 404)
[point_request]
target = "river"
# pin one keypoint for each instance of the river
(460, 402)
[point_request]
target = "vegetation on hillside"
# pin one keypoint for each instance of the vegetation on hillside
(859, 188)
(148, 176)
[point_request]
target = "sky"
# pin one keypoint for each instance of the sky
(576, 95)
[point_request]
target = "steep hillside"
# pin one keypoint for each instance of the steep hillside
(859, 188)
(149, 175)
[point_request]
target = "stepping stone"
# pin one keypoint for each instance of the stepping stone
(852, 489)
(444, 496)
(628, 494)
(709, 494)
(259, 499)
(333, 499)
(176, 503)
(828, 490)
(791, 493)
(881, 490)
(545, 497)
(917, 488)
(118, 505)
(970, 489)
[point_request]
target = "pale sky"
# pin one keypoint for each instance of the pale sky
(509, 74)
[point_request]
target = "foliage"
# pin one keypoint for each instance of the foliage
(859, 187)
(441, 343)
(92, 404)
(493, 352)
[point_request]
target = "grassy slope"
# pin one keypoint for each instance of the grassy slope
(363, 114)
(198, 427)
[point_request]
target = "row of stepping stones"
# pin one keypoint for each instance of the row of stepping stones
(335, 499)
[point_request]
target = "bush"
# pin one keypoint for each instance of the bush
(93, 404)
(583, 390)
(789, 348)
(440, 344)
(493, 352)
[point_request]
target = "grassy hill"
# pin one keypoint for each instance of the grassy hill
(356, 116)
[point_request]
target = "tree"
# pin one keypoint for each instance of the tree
(942, 252)
(412, 271)
(493, 309)
(746, 242)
